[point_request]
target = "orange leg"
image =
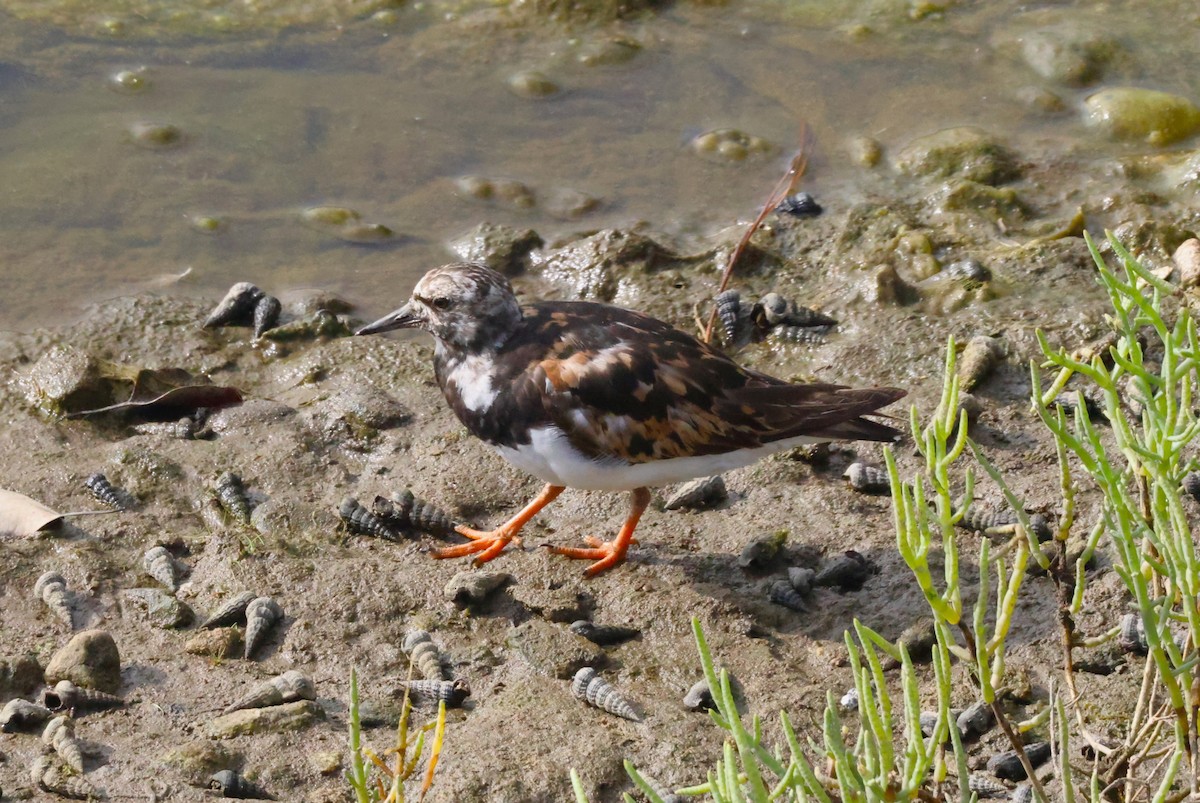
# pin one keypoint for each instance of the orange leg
(610, 553)
(490, 544)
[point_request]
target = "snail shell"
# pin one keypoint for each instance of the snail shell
(1191, 484)
(868, 479)
(801, 579)
(288, 687)
(984, 786)
(451, 692)
(988, 521)
(698, 494)
(789, 333)
(232, 495)
(1022, 794)
(782, 593)
(60, 735)
(49, 773)
(978, 359)
(19, 714)
(266, 314)
(1133, 635)
(596, 691)
(734, 320)
(419, 647)
(407, 511)
(233, 785)
(51, 589)
(108, 494)
(231, 612)
(261, 615)
(1007, 766)
(161, 565)
(699, 697)
(362, 521)
(975, 720)
(848, 571)
(236, 308)
(66, 696)
(603, 635)
(774, 310)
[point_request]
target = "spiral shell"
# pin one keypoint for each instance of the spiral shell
(849, 700)
(161, 565)
(734, 320)
(290, 686)
(801, 579)
(185, 429)
(984, 786)
(774, 310)
(848, 571)
(968, 271)
(21, 714)
(604, 635)
(232, 495)
(790, 333)
(406, 511)
(1022, 794)
(66, 696)
(799, 204)
(988, 521)
(262, 613)
(978, 359)
(1132, 637)
(975, 720)
(699, 494)
(49, 774)
(266, 314)
(362, 521)
(236, 308)
(51, 589)
(596, 691)
(1009, 767)
(231, 612)
(419, 647)
(699, 697)
(929, 722)
(1069, 401)
(231, 784)
(108, 494)
(868, 479)
(1191, 484)
(782, 593)
(60, 735)
(451, 692)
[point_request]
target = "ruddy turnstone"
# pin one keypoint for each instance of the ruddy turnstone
(592, 396)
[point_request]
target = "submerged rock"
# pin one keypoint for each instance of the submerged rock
(1132, 114)
(966, 153)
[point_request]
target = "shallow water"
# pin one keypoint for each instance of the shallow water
(384, 118)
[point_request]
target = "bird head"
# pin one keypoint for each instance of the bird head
(466, 306)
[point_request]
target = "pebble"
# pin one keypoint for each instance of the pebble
(286, 718)
(1132, 114)
(1069, 55)
(156, 136)
(159, 608)
(762, 551)
(90, 659)
(698, 494)
(472, 588)
(504, 249)
(1007, 766)
(532, 84)
(19, 674)
(225, 642)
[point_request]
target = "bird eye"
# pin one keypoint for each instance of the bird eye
(441, 302)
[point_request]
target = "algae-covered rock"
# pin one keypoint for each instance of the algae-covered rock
(67, 380)
(966, 152)
(501, 248)
(1069, 55)
(1131, 114)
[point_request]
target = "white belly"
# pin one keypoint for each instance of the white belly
(550, 457)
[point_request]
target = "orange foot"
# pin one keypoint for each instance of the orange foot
(608, 554)
(491, 543)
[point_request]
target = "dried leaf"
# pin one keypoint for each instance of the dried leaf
(20, 515)
(156, 391)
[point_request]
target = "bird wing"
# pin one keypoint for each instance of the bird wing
(625, 386)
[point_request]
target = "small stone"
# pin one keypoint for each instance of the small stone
(19, 675)
(532, 84)
(159, 608)
(865, 151)
(1069, 54)
(66, 380)
(224, 642)
(552, 650)
(502, 248)
(1187, 263)
(472, 588)
(89, 660)
(763, 551)
(156, 136)
(285, 718)
(965, 152)
(200, 758)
